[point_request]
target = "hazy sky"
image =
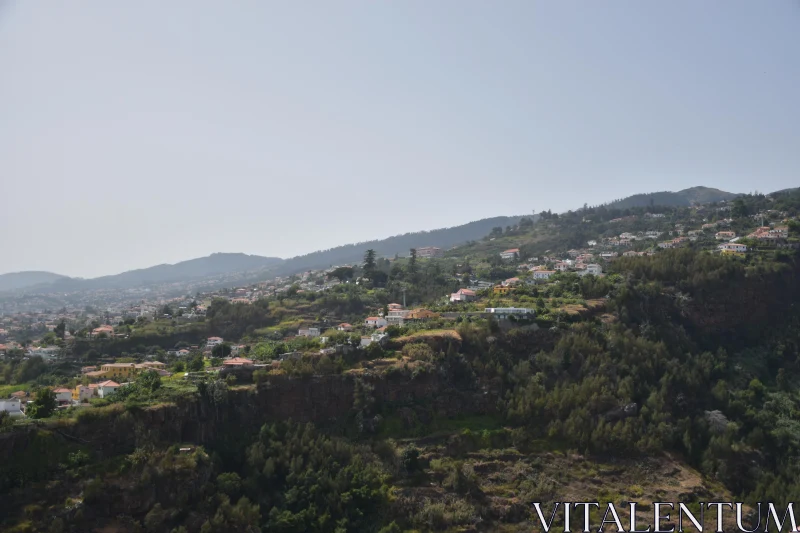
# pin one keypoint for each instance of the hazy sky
(138, 133)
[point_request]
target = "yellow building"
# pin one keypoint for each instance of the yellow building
(124, 371)
(502, 289)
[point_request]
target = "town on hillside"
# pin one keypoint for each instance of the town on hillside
(344, 318)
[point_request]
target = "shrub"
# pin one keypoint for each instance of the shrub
(418, 352)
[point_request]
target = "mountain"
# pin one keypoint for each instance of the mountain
(212, 265)
(202, 267)
(686, 197)
(399, 244)
(223, 264)
(22, 280)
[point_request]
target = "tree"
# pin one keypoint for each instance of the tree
(412, 265)
(60, 329)
(410, 460)
(149, 381)
(229, 483)
(221, 350)
(739, 209)
(195, 364)
(44, 405)
(342, 273)
(369, 263)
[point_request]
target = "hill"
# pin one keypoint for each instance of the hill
(202, 267)
(686, 197)
(399, 244)
(22, 280)
(236, 263)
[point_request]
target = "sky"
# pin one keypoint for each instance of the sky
(140, 133)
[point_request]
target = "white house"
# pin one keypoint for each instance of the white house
(562, 266)
(543, 274)
(733, 247)
(592, 243)
(12, 406)
(213, 341)
(505, 312)
(344, 326)
(106, 388)
(63, 395)
(594, 269)
(510, 254)
(462, 295)
(309, 332)
(375, 322)
(375, 337)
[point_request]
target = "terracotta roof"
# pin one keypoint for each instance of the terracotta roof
(372, 318)
(61, 390)
(108, 383)
(511, 250)
(236, 361)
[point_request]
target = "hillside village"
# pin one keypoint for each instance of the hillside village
(459, 372)
(521, 286)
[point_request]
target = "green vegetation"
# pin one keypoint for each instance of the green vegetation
(681, 366)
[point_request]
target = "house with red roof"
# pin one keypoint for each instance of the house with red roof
(509, 254)
(63, 395)
(106, 388)
(463, 295)
(375, 321)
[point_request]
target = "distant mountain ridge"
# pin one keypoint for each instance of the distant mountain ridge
(20, 280)
(444, 238)
(221, 263)
(202, 267)
(684, 198)
(225, 263)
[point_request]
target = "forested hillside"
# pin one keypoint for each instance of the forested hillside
(670, 377)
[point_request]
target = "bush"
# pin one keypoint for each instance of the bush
(418, 352)
(444, 514)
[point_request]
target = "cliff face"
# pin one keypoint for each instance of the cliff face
(322, 400)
